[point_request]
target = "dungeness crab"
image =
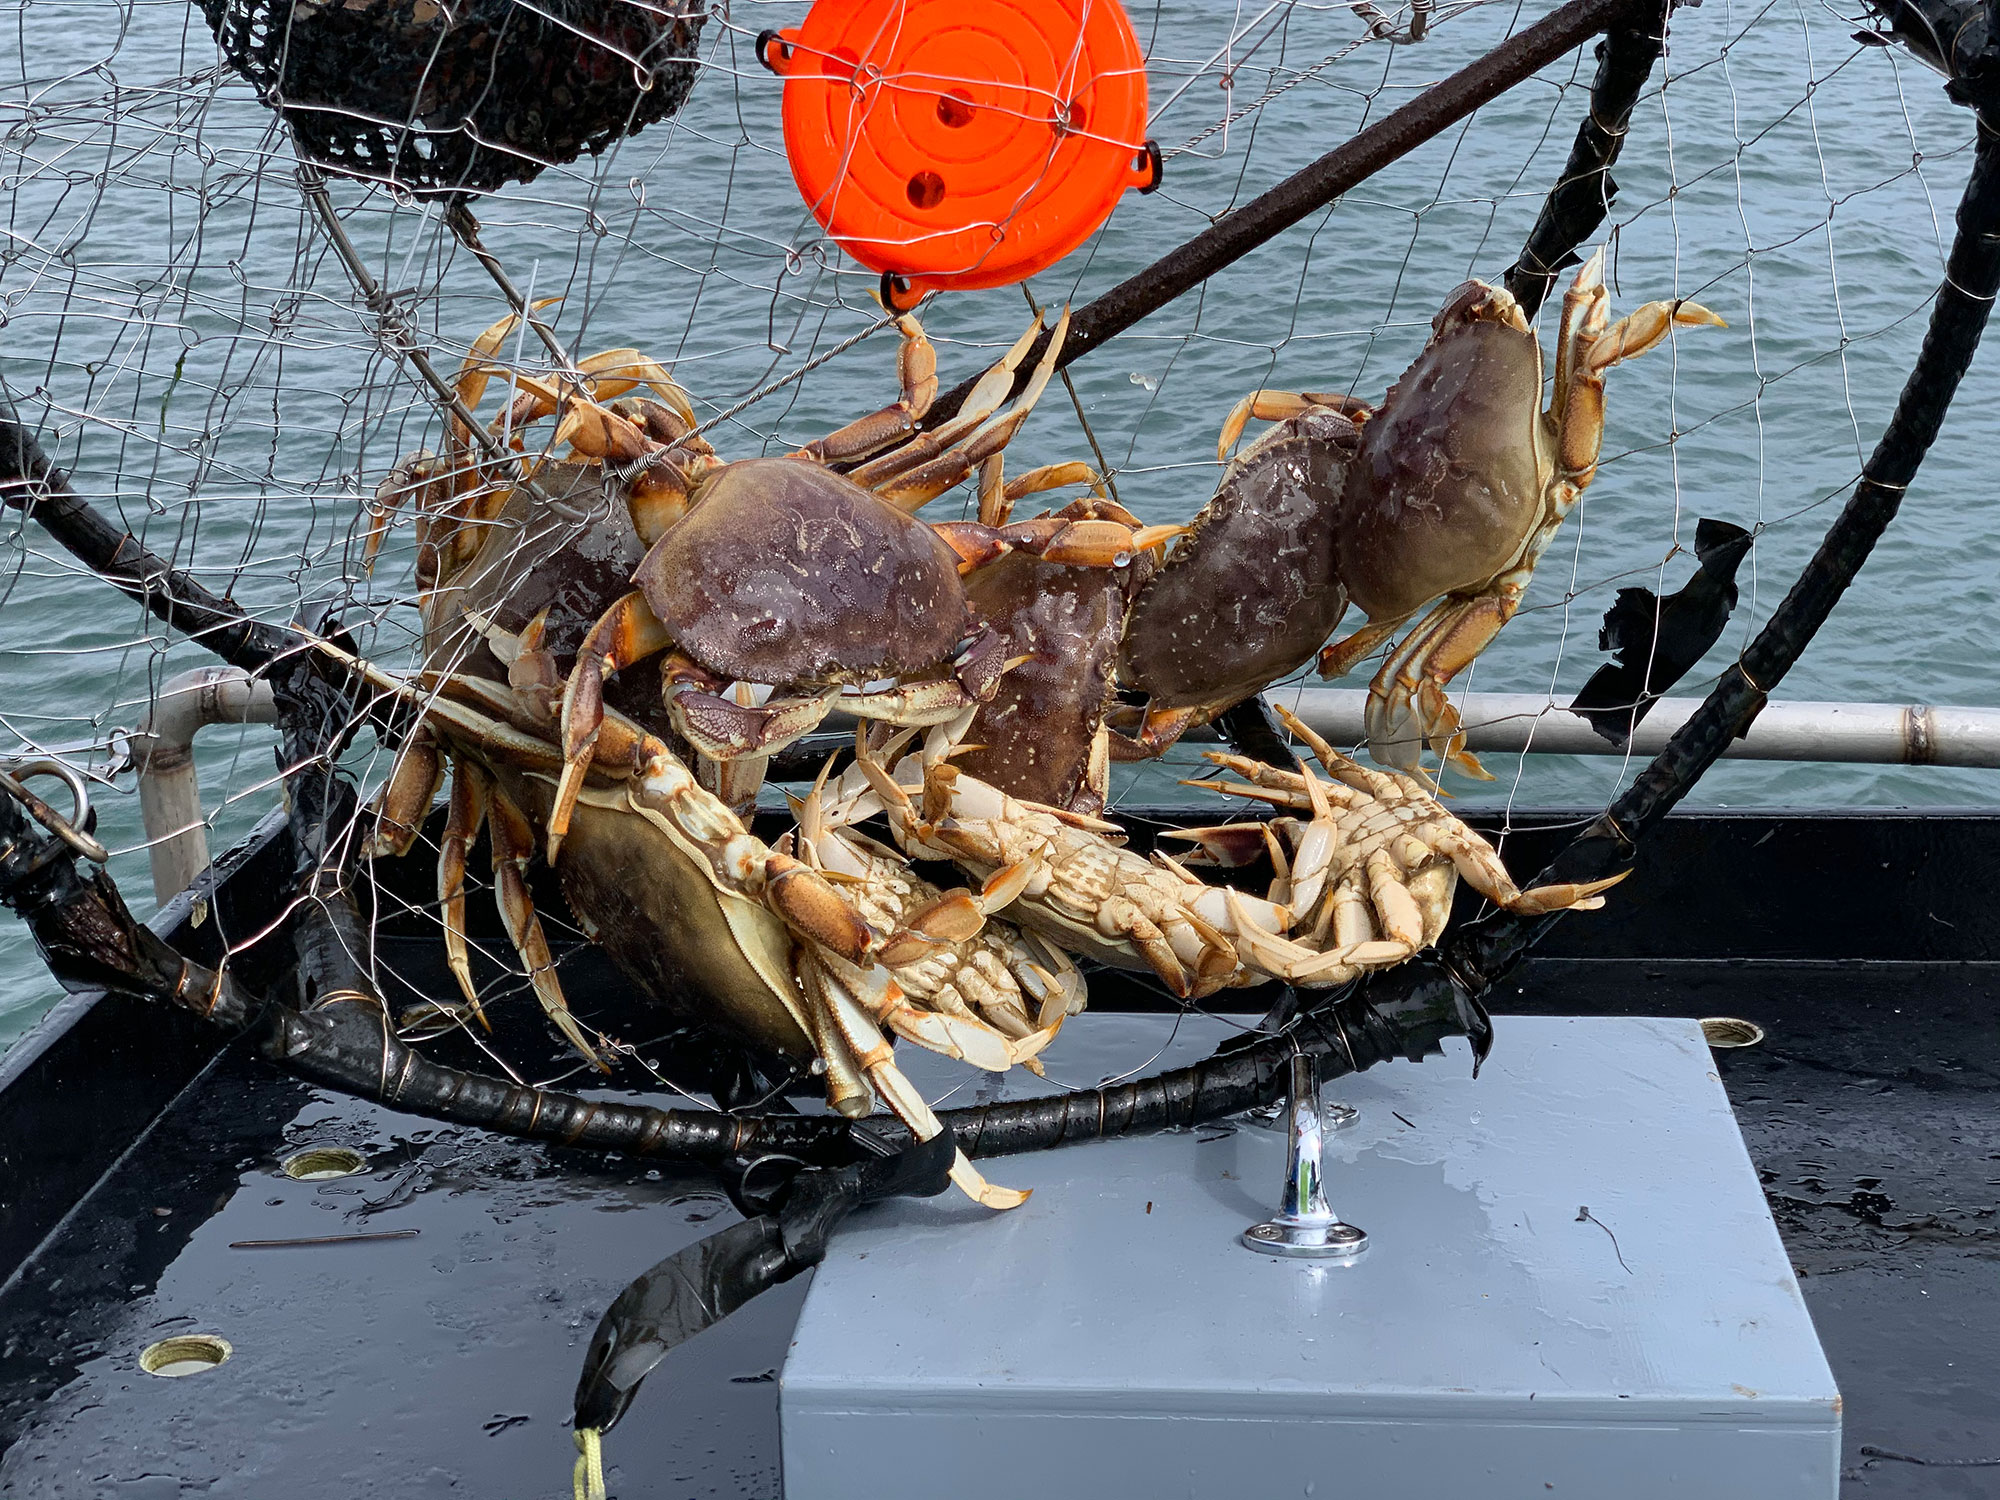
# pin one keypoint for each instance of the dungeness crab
(821, 948)
(1041, 737)
(1449, 492)
(1363, 883)
(818, 586)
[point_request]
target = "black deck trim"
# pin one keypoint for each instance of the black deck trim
(97, 1070)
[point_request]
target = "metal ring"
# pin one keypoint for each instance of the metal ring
(70, 831)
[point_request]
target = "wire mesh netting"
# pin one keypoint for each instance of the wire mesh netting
(200, 361)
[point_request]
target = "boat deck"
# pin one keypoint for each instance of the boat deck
(140, 1159)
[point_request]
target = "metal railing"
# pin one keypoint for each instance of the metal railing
(1913, 734)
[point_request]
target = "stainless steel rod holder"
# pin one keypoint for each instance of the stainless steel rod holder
(1304, 1226)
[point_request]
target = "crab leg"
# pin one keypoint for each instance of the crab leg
(513, 847)
(1295, 963)
(1282, 406)
(1586, 348)
(476, 368)
(608, 373)
(847, 1090)
(985, 399)
(1404, 901)
(948, 917)
(415, 478)
(1158, 731)
(1338, 659)
(1426, 827)
(910, 486)
(596, 432)
(469, 789)
(916, 372)
(405, 799)
(997, 494)
(625, 633)
(914, 705)
(1407, 709)
(1094, 543)
(1078, 888)
(833, 986)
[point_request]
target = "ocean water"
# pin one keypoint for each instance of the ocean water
(210, 375)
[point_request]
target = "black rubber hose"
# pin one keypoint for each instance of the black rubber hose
(1407, 1013)
(340, 1034)
(1582, 196)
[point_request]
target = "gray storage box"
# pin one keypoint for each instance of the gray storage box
(1112, 1337)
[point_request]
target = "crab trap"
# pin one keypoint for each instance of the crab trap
(737, 766)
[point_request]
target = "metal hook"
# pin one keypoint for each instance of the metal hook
(69, 830)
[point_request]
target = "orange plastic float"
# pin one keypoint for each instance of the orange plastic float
(962, 143)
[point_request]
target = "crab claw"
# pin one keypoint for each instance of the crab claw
(613, 372)
(598, 433)
(1570, 896)
(1228, 846)
(1055, 539)
(475, 370)
(811, 907)
(954, 917)
(625, 633)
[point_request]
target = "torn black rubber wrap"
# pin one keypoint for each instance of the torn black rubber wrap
(698, 1286)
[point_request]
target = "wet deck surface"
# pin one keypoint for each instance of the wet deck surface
(438, 1364)
(442, 1363)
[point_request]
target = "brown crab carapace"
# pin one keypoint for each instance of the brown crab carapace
(1041, 736)
(1250, 594)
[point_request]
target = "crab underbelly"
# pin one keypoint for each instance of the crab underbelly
(1079, 937)
(650, 904)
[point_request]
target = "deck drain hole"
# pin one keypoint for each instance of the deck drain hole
(1727, 1031)
(321, 1163)
(190, 1354)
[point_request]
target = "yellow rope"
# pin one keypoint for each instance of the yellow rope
(588, 1480)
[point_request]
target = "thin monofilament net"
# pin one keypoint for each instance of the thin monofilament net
(201, 363)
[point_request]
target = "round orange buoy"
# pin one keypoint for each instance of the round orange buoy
(962, 143)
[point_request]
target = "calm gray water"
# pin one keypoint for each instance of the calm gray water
(212, 378)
